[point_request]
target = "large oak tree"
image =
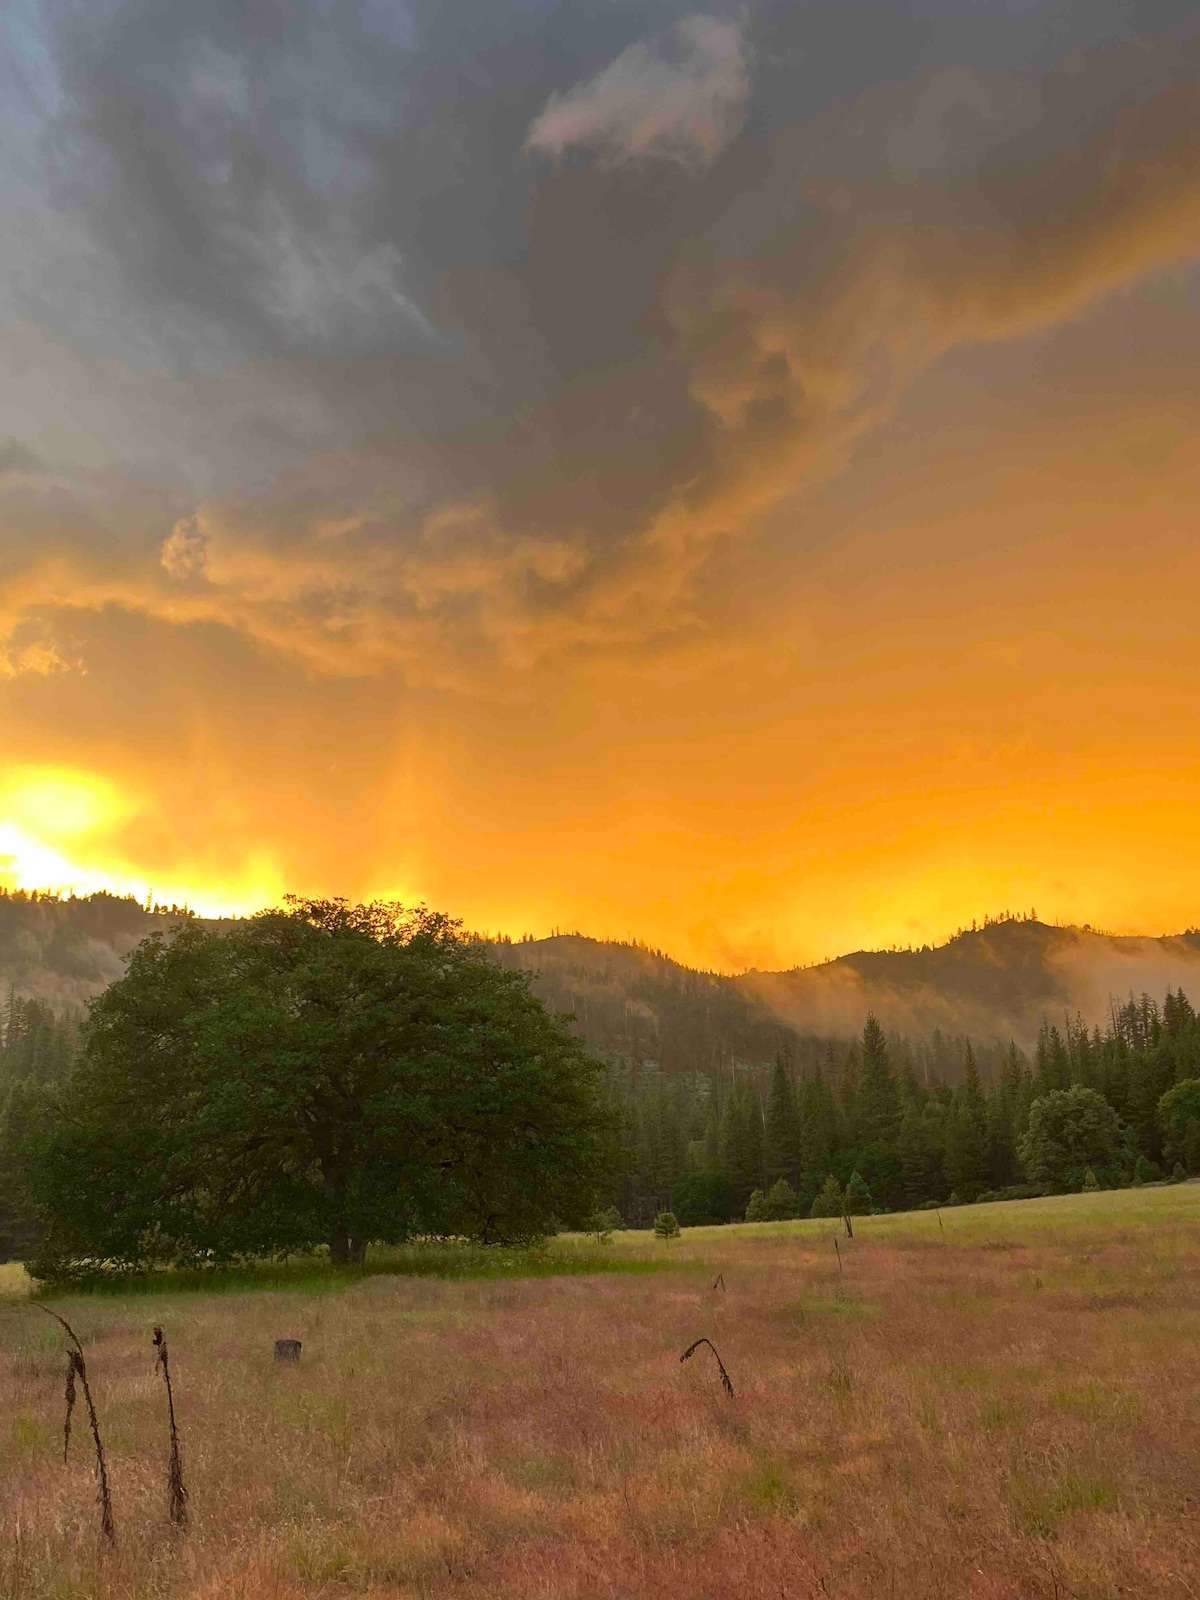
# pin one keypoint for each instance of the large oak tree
(324, 1073)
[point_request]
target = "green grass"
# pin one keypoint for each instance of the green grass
(998, 1225)
(315, 1274)
(997, 1222)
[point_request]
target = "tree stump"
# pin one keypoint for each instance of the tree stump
(287, 1352)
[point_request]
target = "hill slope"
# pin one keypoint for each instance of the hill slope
(994, 983)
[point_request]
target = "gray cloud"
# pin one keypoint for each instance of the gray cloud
(423, 404)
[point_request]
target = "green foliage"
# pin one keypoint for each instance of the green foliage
(829, 1201)
(327, 1073)
(878, 1101)
(1179, 1172)
(781, 1135)
(1191, 1146)
(666, 1225)
(1090, 1181)
(1146, 1171)
(702, 1199)
(1180, 1107)
(879, 1166)
(37, 1048)
(965, 1159)
(1070, 1131)
(780, 1204)
(742, 1143)
(604, 1224)
(857, 1198)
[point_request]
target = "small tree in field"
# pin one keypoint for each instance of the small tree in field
(780, 1203)
(829, 1201)
(604, 1224)
(666, 1225)
(326, 1073)
(857, 1199)
(756, 1207)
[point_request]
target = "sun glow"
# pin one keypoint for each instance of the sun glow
(58, 829)
(60, 802)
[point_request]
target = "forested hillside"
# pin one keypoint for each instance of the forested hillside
(727, 1084)
(906, 1125)
(64, 950)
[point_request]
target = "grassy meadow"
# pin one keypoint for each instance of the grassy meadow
(1002, 1404)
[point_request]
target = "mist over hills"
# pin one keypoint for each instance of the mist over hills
(993, 983)
(63, 951)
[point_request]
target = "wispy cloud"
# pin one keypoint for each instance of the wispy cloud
(680, 96)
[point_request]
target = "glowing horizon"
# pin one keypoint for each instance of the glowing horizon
(723, 480)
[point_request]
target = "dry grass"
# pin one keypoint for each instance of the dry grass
(1013, 1410)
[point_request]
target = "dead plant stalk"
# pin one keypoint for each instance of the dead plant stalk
(176, 1492)
(77, 1367)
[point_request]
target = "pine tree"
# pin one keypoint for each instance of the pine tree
(1053, 1065)
(818, 1131)
(741, 1144)
(878, 1102)
(781, 1136)
(780, 1203)
(857, 1199)
(919, 1147)
(829, 1200)
(966, 1156)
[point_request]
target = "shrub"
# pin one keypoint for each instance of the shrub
(1178, 1173)
(666, 1225)
(1090, 1181)
(857, 1199)
(756, 1207)
(1191, 1146)
(701, 1199)
(829, 1202)
(1146, 1171)
(604, 1223)
(780, 1203)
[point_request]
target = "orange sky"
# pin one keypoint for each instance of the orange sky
(770, 531)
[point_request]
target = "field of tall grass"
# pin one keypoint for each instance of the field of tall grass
(1001, 1402)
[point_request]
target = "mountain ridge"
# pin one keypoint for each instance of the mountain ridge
(993, 982)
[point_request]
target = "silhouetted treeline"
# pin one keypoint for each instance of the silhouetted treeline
(921, 1124)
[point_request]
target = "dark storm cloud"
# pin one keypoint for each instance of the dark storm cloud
(445, 336)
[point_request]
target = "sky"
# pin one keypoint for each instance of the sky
(719, 477)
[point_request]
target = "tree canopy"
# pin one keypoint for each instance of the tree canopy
(1071, 1132)
(323, 1073)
